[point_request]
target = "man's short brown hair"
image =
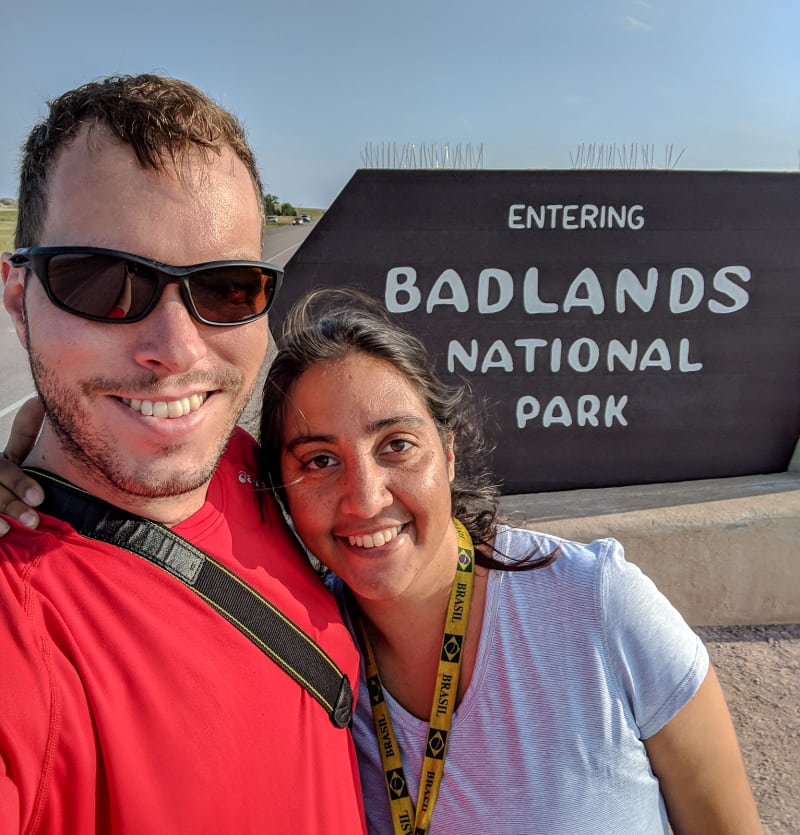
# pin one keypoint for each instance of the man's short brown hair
(162, 119)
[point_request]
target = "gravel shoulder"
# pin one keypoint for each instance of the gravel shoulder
(759, 668)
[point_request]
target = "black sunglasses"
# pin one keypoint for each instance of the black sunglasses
(106, 285)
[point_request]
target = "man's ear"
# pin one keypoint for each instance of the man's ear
(14, 295)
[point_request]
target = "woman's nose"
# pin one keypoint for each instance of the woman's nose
(365, 488)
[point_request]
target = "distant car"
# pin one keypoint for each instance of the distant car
(305, 218)
(272, 219)
(297, 221)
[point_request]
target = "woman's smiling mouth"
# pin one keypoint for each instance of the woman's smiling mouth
(375, 540)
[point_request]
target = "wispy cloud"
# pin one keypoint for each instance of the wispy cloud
(633, 23)
(640, 9)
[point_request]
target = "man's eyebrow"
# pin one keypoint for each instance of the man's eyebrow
(371, 428)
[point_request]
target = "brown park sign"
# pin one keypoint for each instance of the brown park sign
(626, 327)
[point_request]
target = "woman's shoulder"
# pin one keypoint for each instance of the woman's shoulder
(589, 577)
(592, 597)
(513, 544)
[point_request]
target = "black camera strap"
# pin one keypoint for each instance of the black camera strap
(238, 602)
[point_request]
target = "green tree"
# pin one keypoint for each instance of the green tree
(288, 209)
(271, 204)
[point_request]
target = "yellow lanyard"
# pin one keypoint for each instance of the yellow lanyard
(405, 818)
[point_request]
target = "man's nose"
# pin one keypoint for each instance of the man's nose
(169, 339)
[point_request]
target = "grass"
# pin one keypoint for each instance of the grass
(8, 223)
(286, 220)
(316, 214)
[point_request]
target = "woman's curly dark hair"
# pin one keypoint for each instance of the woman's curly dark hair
(328, 325)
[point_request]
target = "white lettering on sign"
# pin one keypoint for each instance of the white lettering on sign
(496, 289)
(534, 293)
(587, 410)
(582, 355)
(574, 216)
(402, 290)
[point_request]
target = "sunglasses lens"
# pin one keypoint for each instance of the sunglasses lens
(110, 286)
(101, 286)
(230, 294)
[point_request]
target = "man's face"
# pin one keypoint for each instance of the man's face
(112, 391)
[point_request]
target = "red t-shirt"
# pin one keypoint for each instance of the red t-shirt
(128, 705)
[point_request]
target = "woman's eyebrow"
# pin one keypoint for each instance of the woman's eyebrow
(371, 428)
(301, 440)
(393, 420)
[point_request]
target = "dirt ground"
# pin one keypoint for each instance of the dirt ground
(759, 667)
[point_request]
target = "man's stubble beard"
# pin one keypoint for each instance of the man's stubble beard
(87, 447)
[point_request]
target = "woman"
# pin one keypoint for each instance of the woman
(584, 702)
(556, 686)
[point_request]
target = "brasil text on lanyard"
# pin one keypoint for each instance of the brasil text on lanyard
(404, 816)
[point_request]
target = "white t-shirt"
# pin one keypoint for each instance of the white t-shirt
(577, 664)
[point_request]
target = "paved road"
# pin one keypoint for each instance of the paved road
(15, 379)
(280, 244)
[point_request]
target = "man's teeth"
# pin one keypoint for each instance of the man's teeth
(166, 408)
(375, 540)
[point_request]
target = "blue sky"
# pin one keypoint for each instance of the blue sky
(314, 81)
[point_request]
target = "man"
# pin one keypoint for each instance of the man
(127, 703)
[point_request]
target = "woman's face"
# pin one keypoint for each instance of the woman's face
(368, 478)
